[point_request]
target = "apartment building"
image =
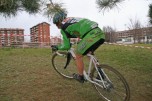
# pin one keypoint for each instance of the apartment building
(10, 36)
(40, 33)
(140, 35)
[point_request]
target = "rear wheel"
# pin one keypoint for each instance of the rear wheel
(115, 87)
(59, 62)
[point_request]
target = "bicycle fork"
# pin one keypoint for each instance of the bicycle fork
(102, 77)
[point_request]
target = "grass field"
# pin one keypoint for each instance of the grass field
(27, 75)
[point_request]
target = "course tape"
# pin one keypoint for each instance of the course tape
(143, 47)
(6, 35)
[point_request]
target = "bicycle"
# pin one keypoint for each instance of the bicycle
(108, 82)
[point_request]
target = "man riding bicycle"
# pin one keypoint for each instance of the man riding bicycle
(88, 31)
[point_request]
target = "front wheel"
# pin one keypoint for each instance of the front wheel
(59, 63)
(114, 86)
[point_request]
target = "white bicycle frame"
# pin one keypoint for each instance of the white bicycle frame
(93, 61)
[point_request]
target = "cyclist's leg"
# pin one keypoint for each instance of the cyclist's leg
(89, 43)
(79, 63)
(80, 68)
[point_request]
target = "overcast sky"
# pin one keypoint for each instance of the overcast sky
(117, 18)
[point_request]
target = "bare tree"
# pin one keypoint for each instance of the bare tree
(110, 34)
(135, 29)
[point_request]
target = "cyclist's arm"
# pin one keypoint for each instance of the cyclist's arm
(66, 42)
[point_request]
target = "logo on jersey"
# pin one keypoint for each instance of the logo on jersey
(71, 20)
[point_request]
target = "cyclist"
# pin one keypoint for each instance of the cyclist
(88, 31)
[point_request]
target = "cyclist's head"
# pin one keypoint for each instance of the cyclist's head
(58, 17)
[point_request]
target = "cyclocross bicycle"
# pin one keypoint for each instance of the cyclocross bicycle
(109, 83)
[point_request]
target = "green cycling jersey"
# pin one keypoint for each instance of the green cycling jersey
(75, 28)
